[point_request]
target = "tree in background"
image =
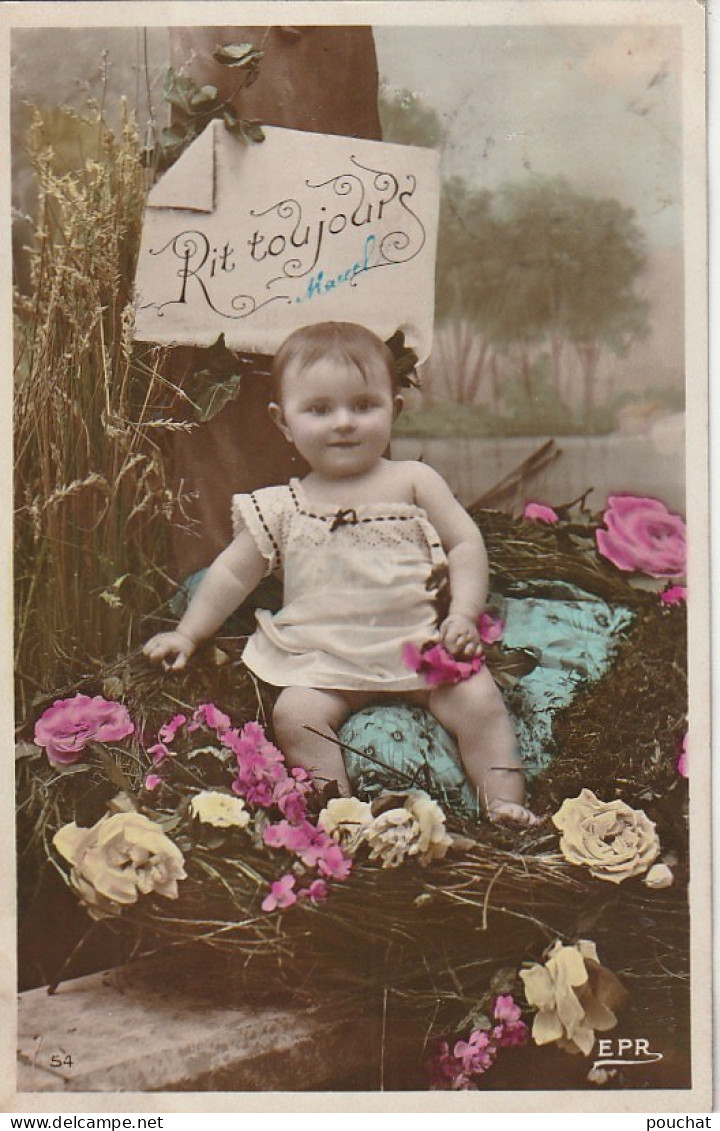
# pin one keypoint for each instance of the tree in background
(535, 266)
(468, 281)
(572, 261)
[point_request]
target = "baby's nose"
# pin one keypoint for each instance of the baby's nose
(344, 419)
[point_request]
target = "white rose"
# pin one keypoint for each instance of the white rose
(417, 828)
(219, 809)
(574, 997)
(346, 820)
(614, 841)
(123, 856)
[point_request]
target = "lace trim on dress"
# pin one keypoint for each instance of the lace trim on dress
(247, 514)
(338, 516)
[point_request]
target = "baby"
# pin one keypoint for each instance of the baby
(359, 542)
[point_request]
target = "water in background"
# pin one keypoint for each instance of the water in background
(649, 464)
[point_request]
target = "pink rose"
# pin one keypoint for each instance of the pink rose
(536, 512)
(69, 725)
(642, 534)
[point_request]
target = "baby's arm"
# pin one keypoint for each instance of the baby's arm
(467, 560)
(229, 580)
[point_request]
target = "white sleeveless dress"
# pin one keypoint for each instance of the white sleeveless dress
(358, 584)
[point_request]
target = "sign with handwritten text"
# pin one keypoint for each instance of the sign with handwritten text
(253, 241)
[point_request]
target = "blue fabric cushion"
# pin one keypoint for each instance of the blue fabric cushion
(573, 635)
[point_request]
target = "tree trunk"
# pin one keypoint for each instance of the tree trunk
(556, 345)
(526, 374)
(473, 385)
(495, 381)
(589, 354)
(320, 79)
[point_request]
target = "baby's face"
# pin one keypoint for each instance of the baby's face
(339, 420)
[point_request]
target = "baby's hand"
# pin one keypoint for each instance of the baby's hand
(169, 644)
(460, 636)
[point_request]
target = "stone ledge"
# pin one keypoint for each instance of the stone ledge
(126, 1031)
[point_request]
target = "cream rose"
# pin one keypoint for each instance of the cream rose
(614, 841)
(346, 819)
(123, 856)
(574, 997)
(417, 828)
(219, 809)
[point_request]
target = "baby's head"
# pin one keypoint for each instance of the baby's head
(346, 343)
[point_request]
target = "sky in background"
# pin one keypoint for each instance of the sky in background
(600, 106)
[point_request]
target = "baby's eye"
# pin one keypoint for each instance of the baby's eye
(364, 405)
(319, 409)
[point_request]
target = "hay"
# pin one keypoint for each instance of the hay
(434, 936)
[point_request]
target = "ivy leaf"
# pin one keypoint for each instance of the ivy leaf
(215, 397)
(503, 980)
(205, 95)
(249, 131)
(169, 137)
(230, 117)
(237, 55)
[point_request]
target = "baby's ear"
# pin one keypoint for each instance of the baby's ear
(398, 405)
(277, 417)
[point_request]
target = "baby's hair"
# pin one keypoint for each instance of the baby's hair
(343, 341)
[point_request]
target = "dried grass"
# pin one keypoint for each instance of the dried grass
(89, 418)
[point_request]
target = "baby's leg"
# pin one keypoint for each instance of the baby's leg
(474, 712)
(298, 708)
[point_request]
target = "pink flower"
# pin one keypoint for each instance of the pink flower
(536, 512)
(438, 666)
(316, 892)
(506, 1009)
(446, 1071)
(682, 762)
(281, 894)
(69, 725)
(674, 595)
(159, 752)
(512, 1030)
(512, 1035)
(289, 796)
(478, 1053)
(152, 781)
(642, 534)
(334, 862)
(168, 730)
(304, 840)
(260, 764)
(490, 628)
(295, 838)
(207, 714)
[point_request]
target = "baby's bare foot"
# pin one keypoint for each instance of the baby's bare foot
(511, 813)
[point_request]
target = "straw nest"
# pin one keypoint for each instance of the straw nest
(434, 936)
